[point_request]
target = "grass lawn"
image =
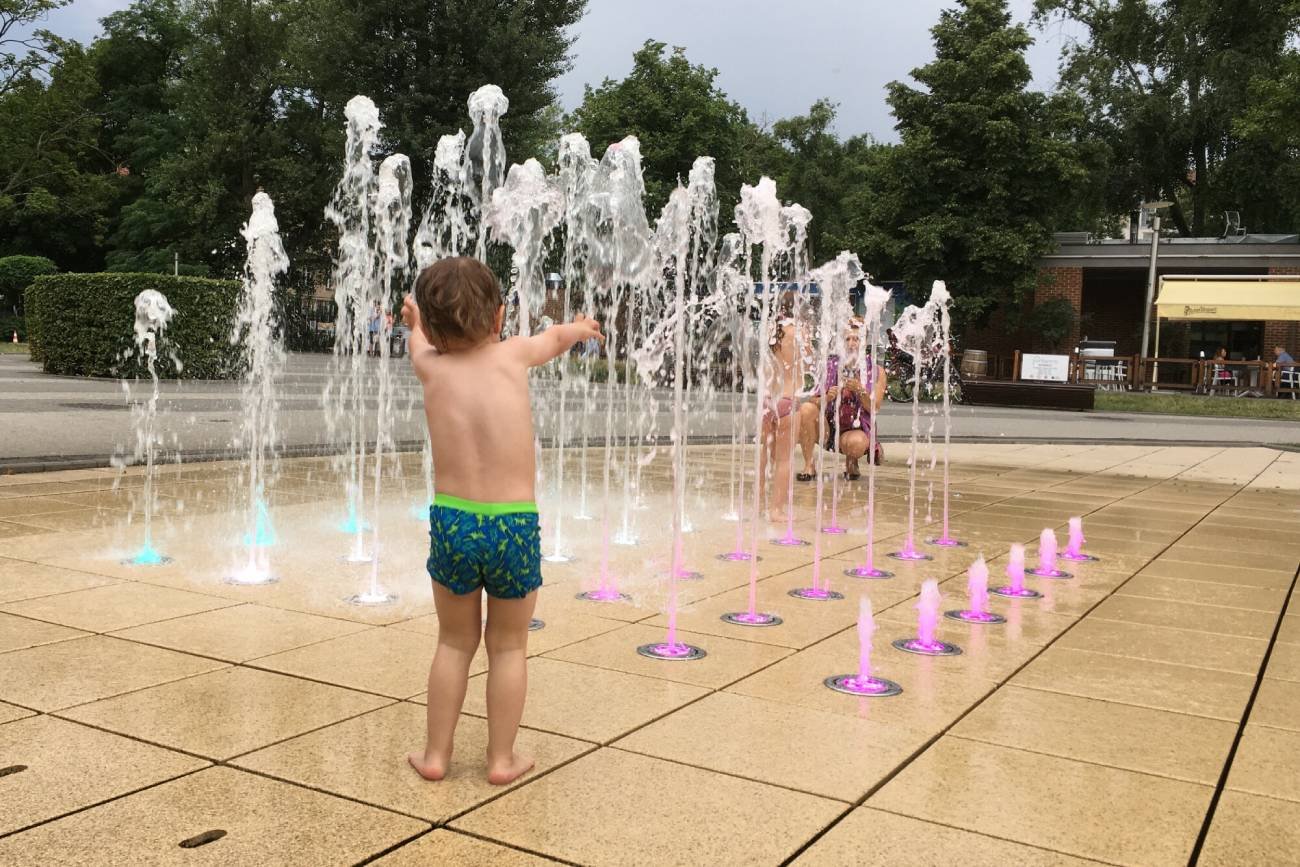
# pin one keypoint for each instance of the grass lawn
(7, 348)
(1191, 404)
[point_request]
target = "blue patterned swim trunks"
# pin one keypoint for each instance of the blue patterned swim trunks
(495, 546)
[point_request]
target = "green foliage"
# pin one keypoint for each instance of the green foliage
(1051, 322)
(1166, 85)
(678, 113)
(969, 194)
(16, 274)
(22, 56)
(83, 324)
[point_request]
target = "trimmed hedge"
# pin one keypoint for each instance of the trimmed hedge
(16, 274)
(82, 324)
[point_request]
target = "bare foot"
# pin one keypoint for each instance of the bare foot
(430, 769)
(507, 772)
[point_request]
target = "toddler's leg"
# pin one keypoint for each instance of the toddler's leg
(779, 495)
(459, 625)
(507, 684)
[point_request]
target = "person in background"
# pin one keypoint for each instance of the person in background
(1283, 357)
(1288, 376)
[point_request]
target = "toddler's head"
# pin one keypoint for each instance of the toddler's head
(460, 302)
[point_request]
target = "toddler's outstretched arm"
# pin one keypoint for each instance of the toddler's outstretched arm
(421, 350)
(557, 340)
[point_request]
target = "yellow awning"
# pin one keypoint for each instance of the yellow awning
(1229, 299)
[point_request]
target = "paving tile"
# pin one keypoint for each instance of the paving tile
(266, 822)
(1248, 829)
(16, 507)
(20, 579)
(814, 751)
(615, 807)
(1185, 615)
(1158, 685)
(868, 836)
(117, 606)
(728, 660)
(241, 632)
(1277, 704)
(1167, 744)
(1203, 593)
(448, 847)
(594, 704)
(390, 662)
(1284, 662)
(567, 627)
(1267, 763)
(255, 708)
(81, 670)
(11, 712)
(1054, 803)
(365, 759)
(70, 766)
(1271, 579)
(17, 633)
(1162, 644)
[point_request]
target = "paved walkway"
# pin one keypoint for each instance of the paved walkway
(1143, 712)
(65, 421)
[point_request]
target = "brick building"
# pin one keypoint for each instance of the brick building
(1106, 284)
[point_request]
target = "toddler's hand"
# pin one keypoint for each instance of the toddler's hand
(590, 327)
(410, 312)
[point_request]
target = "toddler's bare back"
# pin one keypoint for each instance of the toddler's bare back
(481, 424)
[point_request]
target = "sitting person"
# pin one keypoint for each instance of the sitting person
(853, 424)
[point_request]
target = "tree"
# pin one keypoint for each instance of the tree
(817, 170)
(24, 56)
(678, 113)
(1164, 83)
(419, 60)
(969, 194)
(56, 186)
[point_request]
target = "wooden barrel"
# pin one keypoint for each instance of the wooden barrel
(974, 364)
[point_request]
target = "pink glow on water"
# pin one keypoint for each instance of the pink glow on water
(870, 572)
(671, 649)
(1047, 551)
(1074, 548)
(977, 586)
(865, 685)
(1016, 568)
(927, 612)
(866, 629)
(753, 617)
(736, 556)
(979, 617)
(605, 594)
(909, 551)
(920, 644)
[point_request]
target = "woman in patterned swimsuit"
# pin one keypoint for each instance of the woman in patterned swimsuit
(854, 422)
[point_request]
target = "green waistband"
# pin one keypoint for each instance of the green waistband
(476, 508)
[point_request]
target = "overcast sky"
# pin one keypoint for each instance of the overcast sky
(774, 57)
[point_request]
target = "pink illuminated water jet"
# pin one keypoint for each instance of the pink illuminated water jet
(927, 619)
(1047, 557)
(864, 683)
(1016, 572)
(977, 610)
(1074, 548)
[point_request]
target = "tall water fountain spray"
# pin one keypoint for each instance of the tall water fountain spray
(875, 299)
(619, 259)
(796, 219)
(354, 275)
(689, 215)
(830, 370)
(576, 168)
(913, 332)
(485, 153)
(152, 315)
(735, 291)
(763, 223)
(940, 302)
(257, 330)
(392, 229)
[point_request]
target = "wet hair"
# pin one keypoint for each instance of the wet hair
(458, 300)
(784, 314)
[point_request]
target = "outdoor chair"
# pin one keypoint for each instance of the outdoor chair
(1232, 227)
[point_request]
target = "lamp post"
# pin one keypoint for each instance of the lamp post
(1153, 208)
